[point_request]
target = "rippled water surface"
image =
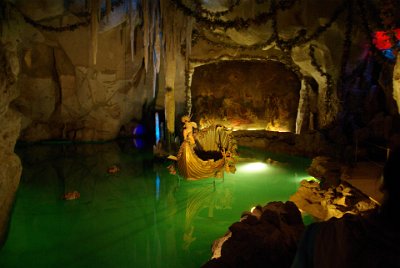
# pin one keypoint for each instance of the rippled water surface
(141, 216)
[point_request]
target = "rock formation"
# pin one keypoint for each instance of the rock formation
(323, 204)
(265, 237)
(10, 165)
(328, 170)
(86, 73)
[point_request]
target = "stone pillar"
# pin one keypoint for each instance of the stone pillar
(302, 111)
(170, 96)
(10, 122)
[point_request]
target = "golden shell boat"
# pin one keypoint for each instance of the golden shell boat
(209, 157)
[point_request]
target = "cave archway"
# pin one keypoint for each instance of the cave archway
(246, 94)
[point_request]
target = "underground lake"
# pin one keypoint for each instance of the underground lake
(138, 216)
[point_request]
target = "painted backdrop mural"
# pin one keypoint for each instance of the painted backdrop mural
(246, 95)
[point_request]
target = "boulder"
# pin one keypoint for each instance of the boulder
(265, 237)
(327, 170)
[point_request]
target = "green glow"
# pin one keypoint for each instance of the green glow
(140, 217)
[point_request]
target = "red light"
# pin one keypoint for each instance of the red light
(382, 39)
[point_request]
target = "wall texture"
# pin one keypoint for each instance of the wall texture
(10, 165)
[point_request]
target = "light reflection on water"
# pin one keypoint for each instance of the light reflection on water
(141, 216)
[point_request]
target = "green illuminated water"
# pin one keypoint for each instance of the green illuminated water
(140, 217)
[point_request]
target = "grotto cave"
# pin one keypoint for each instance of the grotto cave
(101, 99)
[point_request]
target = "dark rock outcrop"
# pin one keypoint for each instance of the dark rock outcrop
(327, 170)
(265, 237)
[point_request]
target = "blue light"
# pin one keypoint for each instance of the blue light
(157, 187)
(157, 128)
(138, 143)
(139, 130)
(388, 53)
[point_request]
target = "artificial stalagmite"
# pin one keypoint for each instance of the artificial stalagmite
(177, 29)
(170, 66)
(155, 34)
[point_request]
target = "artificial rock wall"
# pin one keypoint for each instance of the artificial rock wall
(10, 165)
(327, 45)
(319, 59)
(63, 95)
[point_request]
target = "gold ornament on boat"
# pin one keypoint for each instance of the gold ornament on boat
(207, 153)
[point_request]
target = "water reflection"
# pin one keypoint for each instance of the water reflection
(140, 216)
(209, 197)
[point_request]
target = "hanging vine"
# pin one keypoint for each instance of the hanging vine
(72, 27)
(237, 23)
(68, 27)
(210, 14)
(301, 37)
(188, 93)
(283, 58)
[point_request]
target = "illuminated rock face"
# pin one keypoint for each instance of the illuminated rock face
(331, 202)
(10, 165)
(65, 96)
(62, 96)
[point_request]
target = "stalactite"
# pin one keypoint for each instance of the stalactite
(156, 45)
(95, 10)
(108, 7)
(157, 48)
(177, 30)
(133, 22)
(146, 32)
(162, 27)
(152, 18)
(168, 21)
